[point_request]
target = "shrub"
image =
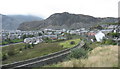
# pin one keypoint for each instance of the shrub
(72, 42)
(4, 57)
(40, 34)
(77, 53)
(87, 47)
(29, 46)
(11, 51)
(109, 42)
(20, 49)
(47, 40)
(113, 34)
(25, 47)
(33, 45)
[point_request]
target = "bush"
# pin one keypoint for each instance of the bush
(25, 47)
(11, 51)
(114, 34)
(109, 42)
(20, 49)
(29, 46)
(4, 57)
(32, 45)
(47, 40)
(77, 53)
(72, 42)
(87, 47)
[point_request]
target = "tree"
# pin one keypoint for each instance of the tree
(32, 45)
(47, 40)
(99, 27)
(20, 49)
(69, 36)
(29, 46)
(72, 42)
(114, 35)
(43, 32)
(39, 34)
(24, 36)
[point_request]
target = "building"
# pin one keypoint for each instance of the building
(99, 36)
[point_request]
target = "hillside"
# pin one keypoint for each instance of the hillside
(25, 18)
(65, 20)
(11, 22)
(106, 56)
(8, 22)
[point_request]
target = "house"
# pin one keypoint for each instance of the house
(99, 36)
(91, 36)
(38, 41)
(34, 40)
(112, 26)
(27, 40)
(105, 31)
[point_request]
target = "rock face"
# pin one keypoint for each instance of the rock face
(65, 20)
(11, 22)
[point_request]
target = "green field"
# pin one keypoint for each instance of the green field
(8, 41)
(36, 51)
(5, 49)
(67, 44)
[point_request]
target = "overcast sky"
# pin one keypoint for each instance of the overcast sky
(44, 8)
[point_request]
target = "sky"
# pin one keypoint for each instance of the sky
(45, 8)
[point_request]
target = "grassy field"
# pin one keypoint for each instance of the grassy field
(38, 50)
(5, 49)
(106, 56)
(67, 44)
(11, 41)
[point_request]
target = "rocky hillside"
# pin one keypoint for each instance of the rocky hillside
(11, 22)
(65, 20)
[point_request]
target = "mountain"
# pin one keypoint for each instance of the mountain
(25, 18)
(11, 22)
(65, 20)
(8, 22)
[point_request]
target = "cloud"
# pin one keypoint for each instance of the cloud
(97, 8)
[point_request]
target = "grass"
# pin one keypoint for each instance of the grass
(17, 46)
(39, 50)
(67, 44)
(106, 56)
(5, 42)
(17, 40)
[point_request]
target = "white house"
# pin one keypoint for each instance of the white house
(34, 40)
(99, 36)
